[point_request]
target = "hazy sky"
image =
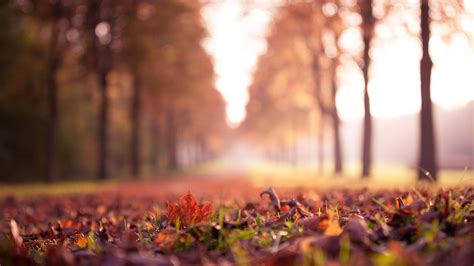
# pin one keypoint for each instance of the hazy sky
(237, 38)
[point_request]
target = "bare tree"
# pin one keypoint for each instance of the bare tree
(171, 138)
(135, 114)
(335, 121)
(368, 24)
(52, 83)
(99, 29)
(427, 162)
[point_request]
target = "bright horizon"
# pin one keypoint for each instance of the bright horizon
(237, 40)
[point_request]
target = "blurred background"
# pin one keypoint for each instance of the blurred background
(141, 89)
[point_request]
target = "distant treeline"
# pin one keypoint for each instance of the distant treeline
(295, 85)
(103, 89)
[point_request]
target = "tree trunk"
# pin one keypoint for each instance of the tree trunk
(427, 162)
(103, 126)
(155, 142)
(322, 111)
(335, 126)
(321, 146)
(294, 145)
(368, 28)
(135, 159)
(101, 55)
(52, 83)
(367, 137)
(171, 139)
(200, 156)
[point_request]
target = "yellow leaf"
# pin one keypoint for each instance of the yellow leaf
(305, 244)
(409, 200)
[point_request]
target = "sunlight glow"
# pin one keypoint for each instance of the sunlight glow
(394, 84)
(237, 38)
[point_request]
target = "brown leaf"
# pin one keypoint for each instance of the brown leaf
(329, 244)
(358, 230)
(400, 203)
(316, 223)
(273, 197)
(414, 207)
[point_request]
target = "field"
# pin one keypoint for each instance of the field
(235, 219)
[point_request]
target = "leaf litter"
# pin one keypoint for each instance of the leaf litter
(339, 227)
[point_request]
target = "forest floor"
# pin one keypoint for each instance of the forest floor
(235, 219)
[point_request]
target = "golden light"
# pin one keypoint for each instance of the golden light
(237, 38)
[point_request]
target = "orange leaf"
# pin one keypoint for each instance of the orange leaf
(81, 241)
(68, 223)
(165, 239)
(285, 207)
(333, 228)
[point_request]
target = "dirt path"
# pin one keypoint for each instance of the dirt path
(203, 186)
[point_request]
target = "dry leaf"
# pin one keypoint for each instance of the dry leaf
(316, 223)
(188, 211)
(333, 228)
(166, 239)
(273, 197)
(17, 239)
(81, 241)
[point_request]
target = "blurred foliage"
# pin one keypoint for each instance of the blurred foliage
(280, 97)
(159, 41)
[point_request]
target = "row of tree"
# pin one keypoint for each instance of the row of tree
(106, 88)
(294, 90)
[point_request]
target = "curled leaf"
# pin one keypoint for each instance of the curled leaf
(304, 212)
(290, 202)
(17, 239)
(400, 203)
(273, 197)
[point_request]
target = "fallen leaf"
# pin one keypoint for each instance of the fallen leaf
(81, 241)
(68, 223)
(333, 228)
(273, 197)
(316, 223)
(358, 230)
(166, 239)
(17, 239)
(187, 212)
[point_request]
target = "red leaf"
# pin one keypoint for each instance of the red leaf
(188, 211)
